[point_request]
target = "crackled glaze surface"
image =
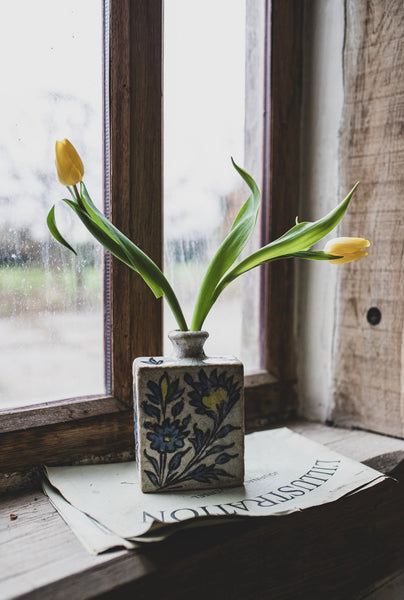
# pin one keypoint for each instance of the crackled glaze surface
(189, 422)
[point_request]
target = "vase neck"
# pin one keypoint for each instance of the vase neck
(188, 344)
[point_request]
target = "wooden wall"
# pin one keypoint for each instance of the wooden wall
(369, 377)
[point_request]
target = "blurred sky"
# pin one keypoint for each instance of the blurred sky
(51, 77)
(204, 45)
(51, 73)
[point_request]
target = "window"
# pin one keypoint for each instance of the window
(205, 124)
(66, 432)
(51, 315)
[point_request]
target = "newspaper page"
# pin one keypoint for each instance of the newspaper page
(285, 472)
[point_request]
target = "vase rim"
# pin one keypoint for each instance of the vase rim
(188, 344)
(177, 333)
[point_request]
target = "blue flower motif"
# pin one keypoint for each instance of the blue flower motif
(169, 431)
(168, 437)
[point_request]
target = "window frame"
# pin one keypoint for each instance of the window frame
(101, 428)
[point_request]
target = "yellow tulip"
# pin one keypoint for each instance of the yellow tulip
(68, 163)
(349, 248)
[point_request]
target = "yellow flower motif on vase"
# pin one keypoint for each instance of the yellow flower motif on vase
(347, 248)
(215, 398)
(164, 387)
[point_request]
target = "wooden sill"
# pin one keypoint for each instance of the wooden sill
(101, 429)
(332, 551)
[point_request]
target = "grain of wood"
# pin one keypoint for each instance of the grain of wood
(105, 438)
(58, 412)
(389, 588)
(369, 368)
(136, 179)
(41, 558)
(40, 549)
(281, 179)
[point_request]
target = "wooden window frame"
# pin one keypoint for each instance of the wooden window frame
(100, 428)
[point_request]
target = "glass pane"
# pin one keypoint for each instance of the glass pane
(205, 125)
(51, 310)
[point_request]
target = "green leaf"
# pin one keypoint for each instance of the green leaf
(311, 255)
(134, 256)
(107, 242)
(294, 242)
(300, 237)
(229, 250)
(55, 231)
(125, 250)
(97, 216)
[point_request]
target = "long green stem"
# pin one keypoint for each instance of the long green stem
(229, 277)
(92, 213)
(294, 243)
(173, 303)
(78, 197)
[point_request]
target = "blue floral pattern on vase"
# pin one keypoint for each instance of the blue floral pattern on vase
(180, 450)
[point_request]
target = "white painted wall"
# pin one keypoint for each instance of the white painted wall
(317, 282)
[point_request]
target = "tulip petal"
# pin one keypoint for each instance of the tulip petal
(69, 166)
(350, 257)
(70, 172)
(344, 245)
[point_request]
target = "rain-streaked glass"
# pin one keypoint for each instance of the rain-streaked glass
(51, 303)
(204, 126)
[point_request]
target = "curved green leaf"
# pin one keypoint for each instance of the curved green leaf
(229, 250)
(309, 255)
(106, 241)
(55, 231)
(312, 255)
(134, 256)
(125, 250)
(300, 237)
(131, 255)
(293, 243)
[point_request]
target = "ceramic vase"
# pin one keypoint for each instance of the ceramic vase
(189, 418)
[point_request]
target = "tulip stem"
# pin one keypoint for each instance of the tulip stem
(78, 197)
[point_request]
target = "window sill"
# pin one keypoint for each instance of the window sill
(333, 551)
(101, 429)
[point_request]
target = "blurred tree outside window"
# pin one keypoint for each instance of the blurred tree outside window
(51, 312)
(205, 124)
(51, 303)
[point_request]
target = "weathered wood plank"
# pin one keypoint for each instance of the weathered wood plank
(38, 549)
(389, 588)
(136, 179)
(63, 411)
(369, 358)
(41, 558)
(107, 437)
(67, 443)
(281, 178)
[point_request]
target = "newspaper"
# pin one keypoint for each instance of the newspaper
(285, 472)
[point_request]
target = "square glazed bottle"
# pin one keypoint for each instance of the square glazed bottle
(189, 418)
